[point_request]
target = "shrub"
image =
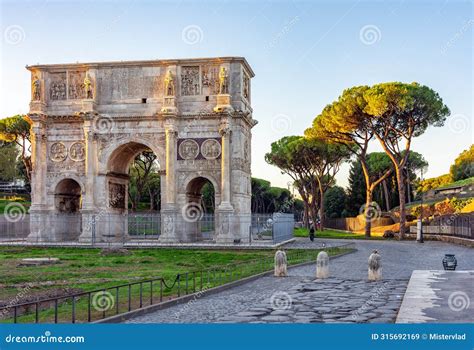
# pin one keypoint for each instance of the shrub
(469, 208)
(463, 166)
(434, 182)
(444, 207)
(428, 210)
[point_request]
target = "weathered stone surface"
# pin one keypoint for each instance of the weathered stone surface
(322, 265)
(281, 264)
(38, 261)
(375, 266)
(91, 119)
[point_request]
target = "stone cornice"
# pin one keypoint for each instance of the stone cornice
(143, 63)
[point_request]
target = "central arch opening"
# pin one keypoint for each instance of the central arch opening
(198, 211)
(134, 192)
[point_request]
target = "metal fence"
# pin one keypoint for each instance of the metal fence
(99, 304)
(120, 228)
(460, 225)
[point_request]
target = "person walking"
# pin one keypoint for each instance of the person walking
(311, 233)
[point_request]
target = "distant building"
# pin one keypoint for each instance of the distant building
(16, 186)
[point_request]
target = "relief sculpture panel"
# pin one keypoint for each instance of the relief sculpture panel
(57, 88)
(190, 81)
(76, 87)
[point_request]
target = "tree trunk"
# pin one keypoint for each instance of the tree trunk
(408, 188)
(367, 208)
(306, 215)
(321, 212)
(402, 197)
(385, 194)
(28, 167)
(368, 195)
(150, 193)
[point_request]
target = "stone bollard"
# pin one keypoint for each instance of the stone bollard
(322, 265)
(375, 266)
(280, 264)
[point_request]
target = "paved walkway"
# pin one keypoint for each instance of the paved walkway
(345, 297)
(438, 296)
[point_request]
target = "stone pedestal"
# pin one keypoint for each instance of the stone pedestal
(39, 223)
(225, 226)
(223, 104)
(169, 105)
(375, 267)
(169, 226)
(88, 227)
(37, 107)
(281, 264)
(322, 265)
(88, 105)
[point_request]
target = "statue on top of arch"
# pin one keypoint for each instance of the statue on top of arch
(169, 84)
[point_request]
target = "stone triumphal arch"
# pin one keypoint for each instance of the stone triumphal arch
(91, 120)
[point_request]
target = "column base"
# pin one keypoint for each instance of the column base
(168, 226)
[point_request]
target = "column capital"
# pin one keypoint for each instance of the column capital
(224, 128)
(37, 118)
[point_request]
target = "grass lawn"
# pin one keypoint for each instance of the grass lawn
(328, 233)
(83, 270)
(4, 203)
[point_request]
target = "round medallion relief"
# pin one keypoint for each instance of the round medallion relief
(57, 152)
(211, 149)
(77, 151)
(188, 149)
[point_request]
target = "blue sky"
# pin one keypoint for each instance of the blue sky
(303, 53)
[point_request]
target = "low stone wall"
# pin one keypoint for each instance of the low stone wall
(437, 230)
(444, 238)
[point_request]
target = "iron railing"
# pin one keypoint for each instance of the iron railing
(101, 303)
(118, 229)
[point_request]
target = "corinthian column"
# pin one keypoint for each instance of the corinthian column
(39, 227)
(225, 166)
(171, 140)
(38, 162)
(90, 165)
